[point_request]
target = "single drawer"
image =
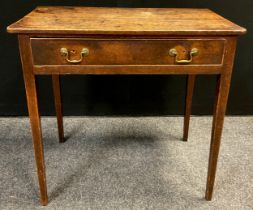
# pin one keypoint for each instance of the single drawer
(77, 51)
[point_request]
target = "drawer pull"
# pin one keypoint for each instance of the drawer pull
(173, 53)
(65, 53)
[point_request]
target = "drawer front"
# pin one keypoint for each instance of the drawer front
(70, 51)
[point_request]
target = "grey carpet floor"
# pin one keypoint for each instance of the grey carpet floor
(127, 163)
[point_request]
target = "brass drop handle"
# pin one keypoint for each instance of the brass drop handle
(173, 52)
(65, 53)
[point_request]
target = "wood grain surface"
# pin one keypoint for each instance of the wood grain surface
(98, 20)
(127, 52)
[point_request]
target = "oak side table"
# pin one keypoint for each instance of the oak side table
(87, 40)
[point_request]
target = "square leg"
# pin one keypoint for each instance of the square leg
(33, 109)
(58, 106)
(188, 104)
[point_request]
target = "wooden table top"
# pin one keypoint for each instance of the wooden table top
(132, 21)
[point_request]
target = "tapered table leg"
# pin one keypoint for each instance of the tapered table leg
(32, 103)
(58, 107)
(218, 119)
(188, 104)
(222, 91)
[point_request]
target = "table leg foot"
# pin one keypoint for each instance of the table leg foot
(44, 202)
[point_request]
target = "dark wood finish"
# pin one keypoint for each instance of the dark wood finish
(58, 107)
(127, 69)
(188, 104)
(126, 41)
(127, 52)
(158, 21)
(222, 92)
(32, 103)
